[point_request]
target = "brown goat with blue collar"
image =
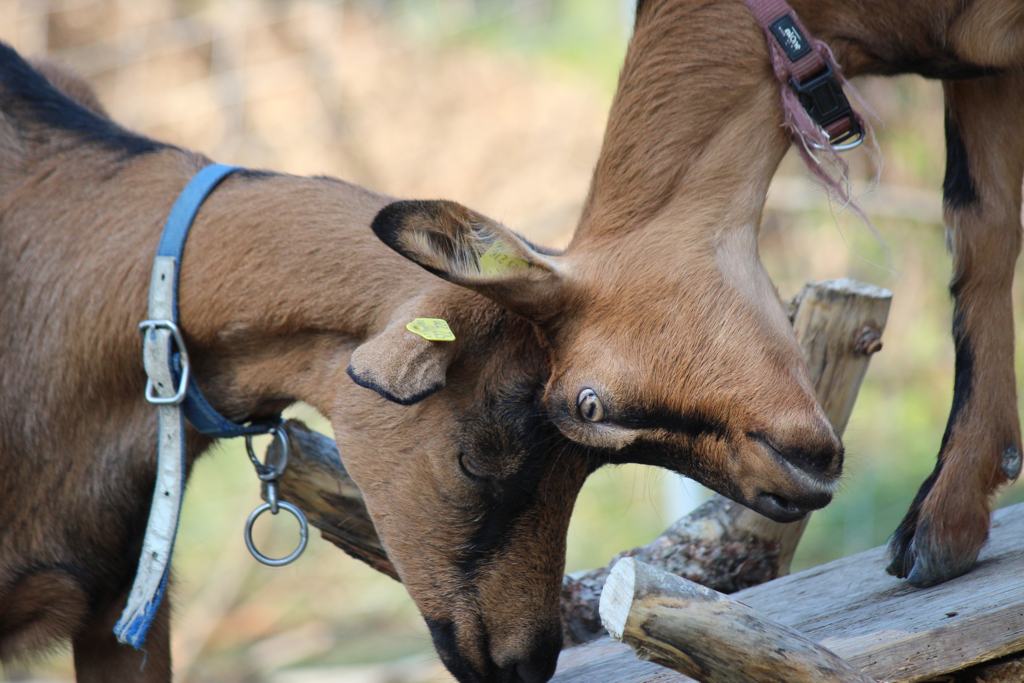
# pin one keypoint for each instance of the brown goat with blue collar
(471, 463)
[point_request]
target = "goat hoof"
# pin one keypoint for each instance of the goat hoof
(925, 557)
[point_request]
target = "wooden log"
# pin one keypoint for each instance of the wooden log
(839, 325)
(704, 634)
(723, 544)
(1009, 670)
(316, 481)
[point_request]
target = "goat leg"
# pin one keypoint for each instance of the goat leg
(948, 521)
(99, 658)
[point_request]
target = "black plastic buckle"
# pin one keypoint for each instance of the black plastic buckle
(826, 103)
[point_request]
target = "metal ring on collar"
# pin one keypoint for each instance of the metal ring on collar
(299, 516)
(842, 147)
(264, 470)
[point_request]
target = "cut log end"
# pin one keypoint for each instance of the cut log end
(617, 597)
(851, 288)
(702, 633)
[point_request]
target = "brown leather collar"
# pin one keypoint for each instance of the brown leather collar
(806, 65)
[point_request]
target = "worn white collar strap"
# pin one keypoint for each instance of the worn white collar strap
(172, 389)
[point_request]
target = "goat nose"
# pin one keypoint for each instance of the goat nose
(826, 463)
(819, 454)
(539, 665)
(530, 672)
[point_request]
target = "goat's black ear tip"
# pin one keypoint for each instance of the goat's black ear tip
(389, 220)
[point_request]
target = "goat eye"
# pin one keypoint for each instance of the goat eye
(470, 469)
(589, 406)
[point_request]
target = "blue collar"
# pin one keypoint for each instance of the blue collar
(172, 388)
(198, 411)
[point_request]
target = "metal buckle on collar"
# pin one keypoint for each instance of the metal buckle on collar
(855, 138)
(179, 394)
(826, 103)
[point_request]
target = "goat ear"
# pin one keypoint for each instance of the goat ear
(399, 365)
(474, 251)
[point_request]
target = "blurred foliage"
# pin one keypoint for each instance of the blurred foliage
(586, 35)
(500, 104)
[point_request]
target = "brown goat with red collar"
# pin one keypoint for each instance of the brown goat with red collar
(721, 148)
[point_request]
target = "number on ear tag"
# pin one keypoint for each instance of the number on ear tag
(431, 329)
(500, 260)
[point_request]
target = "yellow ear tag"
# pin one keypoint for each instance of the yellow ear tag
(431, 329)
(499, 259)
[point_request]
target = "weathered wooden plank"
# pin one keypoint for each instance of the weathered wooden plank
(880, 624)
(706, 634)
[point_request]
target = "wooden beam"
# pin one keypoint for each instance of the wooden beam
(722, 544)
(880, 625)
(703, 633)
(839, 325)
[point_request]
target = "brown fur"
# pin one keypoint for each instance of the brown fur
(953, 520)
(70, 84)
(308, 280)
(717, 147)
(660, 305)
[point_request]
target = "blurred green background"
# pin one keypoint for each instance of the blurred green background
(499, 104)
